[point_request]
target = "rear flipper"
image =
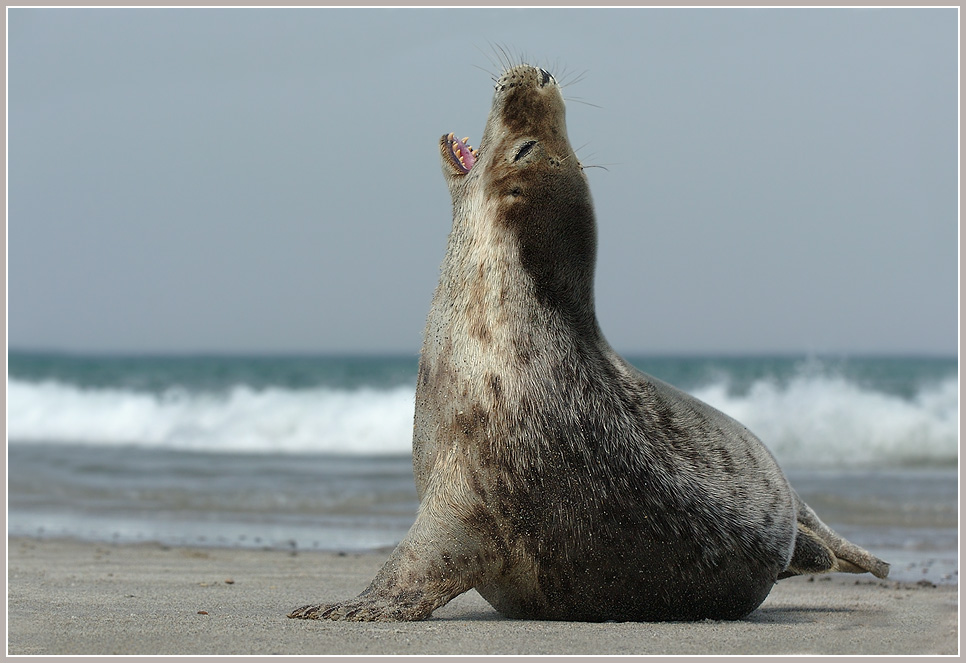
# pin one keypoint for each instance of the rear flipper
(818, 549)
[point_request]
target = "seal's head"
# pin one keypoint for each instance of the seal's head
(526, 179)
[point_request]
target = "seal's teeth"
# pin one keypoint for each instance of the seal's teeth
(467, 141)
(450, 135)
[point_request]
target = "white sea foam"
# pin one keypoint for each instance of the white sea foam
(823, 421)
(813, 421)
(364, 421)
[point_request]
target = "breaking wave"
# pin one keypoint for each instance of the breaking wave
(809, 421)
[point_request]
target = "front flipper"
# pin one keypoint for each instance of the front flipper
(430, 567)
(818, 549)
(372, 607)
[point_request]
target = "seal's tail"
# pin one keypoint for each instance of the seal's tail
(818, 549)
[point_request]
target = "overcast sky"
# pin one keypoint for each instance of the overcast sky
(268, 180)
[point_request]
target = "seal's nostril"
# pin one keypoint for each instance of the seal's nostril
(545, 77)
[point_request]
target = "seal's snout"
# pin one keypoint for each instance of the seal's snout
(525, 76)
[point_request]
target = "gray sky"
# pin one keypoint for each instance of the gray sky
(268, 180)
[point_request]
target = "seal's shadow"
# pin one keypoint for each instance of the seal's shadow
(786, 615)
(472, 616)
(766, 615)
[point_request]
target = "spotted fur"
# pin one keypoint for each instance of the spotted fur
(553, 477)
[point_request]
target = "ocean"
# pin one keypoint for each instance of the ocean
(313, 452)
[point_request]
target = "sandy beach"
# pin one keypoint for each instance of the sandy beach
(71, 597)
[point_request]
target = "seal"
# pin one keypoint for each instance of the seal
(553, 477)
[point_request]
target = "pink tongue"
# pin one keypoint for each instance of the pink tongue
(468, 158)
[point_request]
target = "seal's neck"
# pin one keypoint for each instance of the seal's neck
(490, 308)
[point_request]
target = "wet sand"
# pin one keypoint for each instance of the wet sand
(70, 597)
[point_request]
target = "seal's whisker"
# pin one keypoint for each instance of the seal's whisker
(585, 165)
(578, 100)
(504, 56)
(493, 77)
(564, 82)
(494, 63)
(557, 69)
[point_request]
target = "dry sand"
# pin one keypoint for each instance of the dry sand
(69, 597)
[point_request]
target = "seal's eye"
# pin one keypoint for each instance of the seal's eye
(464, 156)
(524, 149)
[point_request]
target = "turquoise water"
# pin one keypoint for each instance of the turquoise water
(899, 376)
(313, 452)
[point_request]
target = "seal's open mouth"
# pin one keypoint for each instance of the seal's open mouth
(464, 156)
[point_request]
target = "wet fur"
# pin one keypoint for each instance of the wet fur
(553, 477)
